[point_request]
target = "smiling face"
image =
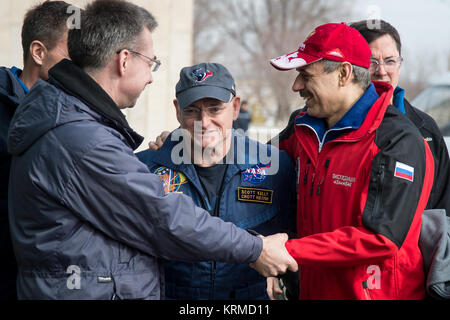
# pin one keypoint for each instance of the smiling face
(318, 88)
(209, 121)
(385, 48)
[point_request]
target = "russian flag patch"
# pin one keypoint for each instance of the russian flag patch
(404, 171)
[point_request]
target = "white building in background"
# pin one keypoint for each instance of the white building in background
(172, 39)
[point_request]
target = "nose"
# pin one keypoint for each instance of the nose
(205, 119)
(298, 84)
(150, 79)
(381, 70)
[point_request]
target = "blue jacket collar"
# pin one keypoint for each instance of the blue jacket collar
(17, 72)
(399, 99)
(352, 120)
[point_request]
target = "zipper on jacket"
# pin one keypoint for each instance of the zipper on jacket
(366, 290)
(311, 191)
(305, 178)
(217, 213)
(320, 146)
(213, 279)
(327, 164)
(379, 191)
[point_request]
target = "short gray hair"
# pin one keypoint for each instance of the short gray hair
(106, 27)
(361, 75)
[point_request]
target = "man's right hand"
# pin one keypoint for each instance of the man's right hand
(274, 258)
(156, 145)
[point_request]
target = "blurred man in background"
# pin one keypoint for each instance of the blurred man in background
(386, 63)
(244, 118)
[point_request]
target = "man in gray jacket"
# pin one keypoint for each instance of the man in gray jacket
(88, 219)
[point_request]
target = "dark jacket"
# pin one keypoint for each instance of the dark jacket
(440, 194)
(435, 236)
(11, 93)
(88, 220)
(268, 215)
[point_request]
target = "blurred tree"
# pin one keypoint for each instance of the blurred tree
(245, 34)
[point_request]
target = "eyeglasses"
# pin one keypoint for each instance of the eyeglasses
(389, 64)
(212, 110)
(154, 61)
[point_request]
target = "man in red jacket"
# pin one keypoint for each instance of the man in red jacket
(364, 175)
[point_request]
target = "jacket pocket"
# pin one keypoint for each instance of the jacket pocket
(125, 254)
(137, 286)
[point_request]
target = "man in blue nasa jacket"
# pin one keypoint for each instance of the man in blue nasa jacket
(230, 175)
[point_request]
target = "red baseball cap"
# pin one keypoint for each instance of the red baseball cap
(331, 41)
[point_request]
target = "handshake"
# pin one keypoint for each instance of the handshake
(274, 258)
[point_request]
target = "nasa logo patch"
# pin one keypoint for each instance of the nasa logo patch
(255, 174)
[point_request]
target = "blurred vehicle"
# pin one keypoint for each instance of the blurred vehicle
(435, 100)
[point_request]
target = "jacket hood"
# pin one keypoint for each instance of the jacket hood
(42, 110)
(70, 95)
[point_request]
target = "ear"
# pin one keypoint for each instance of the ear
(177, 110)
(236, 107)
(38, 52)
(345, 74)
(123, 62)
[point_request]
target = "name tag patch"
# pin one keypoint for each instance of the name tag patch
(255, 195)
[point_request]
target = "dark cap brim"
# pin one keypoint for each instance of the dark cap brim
(189, 96)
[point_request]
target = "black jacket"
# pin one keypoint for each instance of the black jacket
(11, 93)
(440, 194)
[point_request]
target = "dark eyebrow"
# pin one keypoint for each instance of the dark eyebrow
(384, 58)
(304, 73)
(303, 70)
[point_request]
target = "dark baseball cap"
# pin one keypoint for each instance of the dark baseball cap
(204, 80)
